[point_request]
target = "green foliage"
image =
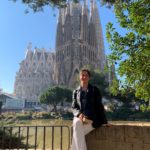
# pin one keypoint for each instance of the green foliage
(132, 51)
(141, 116)
(122, 114)
(98, 79)
(113, 88)
(6, 137)
(128, 115)
(54, 95)
(67, 115)
(41, 115)
(126, 95)
(127, 110)
(1, 104)
(23, 116)
(45, 115)
(143, 108)
(110, 3)
(38, 5)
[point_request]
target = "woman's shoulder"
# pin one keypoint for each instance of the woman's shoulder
(77, 89)
(93, 87)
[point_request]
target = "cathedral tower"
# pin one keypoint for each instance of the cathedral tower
(79, 41)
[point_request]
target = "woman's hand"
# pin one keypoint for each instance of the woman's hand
(81, 116)
(107, 125)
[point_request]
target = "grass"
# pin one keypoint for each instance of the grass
(48, 133)
(10, 121)
(48, 137)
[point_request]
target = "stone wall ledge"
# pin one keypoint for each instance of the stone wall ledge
(119, 137)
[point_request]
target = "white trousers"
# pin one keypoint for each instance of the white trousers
(79, 132)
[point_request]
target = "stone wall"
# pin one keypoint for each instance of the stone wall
(119, 137)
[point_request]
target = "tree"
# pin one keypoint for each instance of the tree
(113, 88)
(132, 51)
(97, 79)
(38, 5)
(54, 95)
(1, 104)
(9, 140)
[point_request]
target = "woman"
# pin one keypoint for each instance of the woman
(88, 111)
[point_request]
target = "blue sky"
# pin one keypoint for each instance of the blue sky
(17, 29)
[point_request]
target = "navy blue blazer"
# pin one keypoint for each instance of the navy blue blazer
(96, 112)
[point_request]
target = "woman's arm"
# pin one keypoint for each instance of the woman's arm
(75, 105)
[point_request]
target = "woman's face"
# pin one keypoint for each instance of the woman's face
(84, 77)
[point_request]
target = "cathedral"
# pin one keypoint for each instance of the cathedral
(35, 74)
(79, 42)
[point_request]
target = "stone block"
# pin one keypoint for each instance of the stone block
(116, 133)
(100, 133)
(146, 135)
(119, 138)
(133, 134)
(138, 146)
(146, 146)
(97, 145)
(118, 146)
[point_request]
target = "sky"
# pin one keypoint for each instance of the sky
(18, 29)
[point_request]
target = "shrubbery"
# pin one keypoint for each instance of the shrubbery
(11, 118)
(128, 115)
(11, 141)
(23, 116)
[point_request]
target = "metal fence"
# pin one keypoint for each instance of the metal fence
(35, 137)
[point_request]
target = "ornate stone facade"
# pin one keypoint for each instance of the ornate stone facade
(35, 74)
(79, 42)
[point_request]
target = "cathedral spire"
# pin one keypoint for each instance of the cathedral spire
(95, 18)
(94, 4)
(91, 7)
(84, 22)
(29, 47)
(60, 16)
(68, 9)
(59, 32)
(85, 2)
(91, 10)
(85, 8)
(28, 51)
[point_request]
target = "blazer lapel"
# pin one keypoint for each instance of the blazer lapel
(78, 96)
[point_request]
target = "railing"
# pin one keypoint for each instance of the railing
(35, 137)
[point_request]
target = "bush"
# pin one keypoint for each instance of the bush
(41, 115)
(6, 138)
(67, 115)
(23, 117)
(141, 116)
(128, 114)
